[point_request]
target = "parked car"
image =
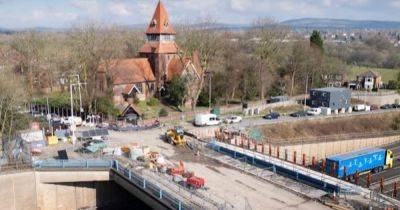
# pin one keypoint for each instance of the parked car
(396, 106)
(272, 116)
(374, 107)
(206, 119)
(386, 106)
(299, 114)
(94, 145)
(68, 120)
(233, 119)
(314, 111)
(36, 113)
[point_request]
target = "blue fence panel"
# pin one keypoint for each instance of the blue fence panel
(90, 163)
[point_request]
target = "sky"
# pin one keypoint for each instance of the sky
(67, 13)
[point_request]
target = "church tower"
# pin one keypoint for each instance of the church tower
(160, 46)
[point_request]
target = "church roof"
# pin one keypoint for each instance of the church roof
(128, 71)
(160, 24)
(159, 47)
(176, 66)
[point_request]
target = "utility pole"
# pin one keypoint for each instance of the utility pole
(305, 95)
(72, 120)
(209, 74)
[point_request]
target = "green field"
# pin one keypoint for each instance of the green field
(387, 74)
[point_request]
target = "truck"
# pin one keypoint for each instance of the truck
(206, 119)
(360, 161)
(195, 182)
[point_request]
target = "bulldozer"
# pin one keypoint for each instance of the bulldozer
(175, 136)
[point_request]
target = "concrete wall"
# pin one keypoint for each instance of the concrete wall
(377, 98)
(48, 190)
(319, 150)
(18, 191)
(322, 150)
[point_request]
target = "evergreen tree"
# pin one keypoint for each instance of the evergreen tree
(316, 40)
(176, 92)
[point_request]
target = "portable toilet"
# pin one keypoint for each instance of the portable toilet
(52, 140)
(350, 110)
(216, 111)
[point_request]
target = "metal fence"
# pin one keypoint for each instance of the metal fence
(135, 178)
(150, 187)
(77, 164)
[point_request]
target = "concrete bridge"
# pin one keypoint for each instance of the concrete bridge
(80, 184)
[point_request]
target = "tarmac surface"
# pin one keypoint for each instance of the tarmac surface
(389, 175)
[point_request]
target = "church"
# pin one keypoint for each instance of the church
(157, 62)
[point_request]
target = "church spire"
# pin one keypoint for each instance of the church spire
(160, 24)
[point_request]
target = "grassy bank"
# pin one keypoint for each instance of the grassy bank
(387, 74)
(332, 126)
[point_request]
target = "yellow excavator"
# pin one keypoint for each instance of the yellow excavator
(175, 136)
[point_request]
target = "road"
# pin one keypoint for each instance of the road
(390, 175)
(258, 120)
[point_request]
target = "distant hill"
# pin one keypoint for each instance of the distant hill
(341, 23)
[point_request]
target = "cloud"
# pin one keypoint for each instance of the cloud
(40, 15)
(91, 7)
(396, 3)
(240, 5)
(120, 9)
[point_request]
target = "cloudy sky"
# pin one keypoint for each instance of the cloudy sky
(66, 13)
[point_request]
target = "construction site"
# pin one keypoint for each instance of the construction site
(198, 168)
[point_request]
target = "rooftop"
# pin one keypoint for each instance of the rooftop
(331, 89)
(160, 24)
(128, 71)
(355, 153)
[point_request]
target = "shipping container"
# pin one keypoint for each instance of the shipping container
(348, 164)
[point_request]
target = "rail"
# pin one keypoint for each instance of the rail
(73, 164)
(146, 185)
(304, 175)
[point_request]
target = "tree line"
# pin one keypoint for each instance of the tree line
(265, 60)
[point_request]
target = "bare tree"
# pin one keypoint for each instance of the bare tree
(269, 37)
(12, 96)
(203, 39)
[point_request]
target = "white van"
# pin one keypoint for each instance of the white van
(359, 107)
(68, 120)
(314, 111)
(206, 119)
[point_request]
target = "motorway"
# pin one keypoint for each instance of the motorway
(390, 175)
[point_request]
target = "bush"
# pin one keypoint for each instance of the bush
(153, 102)
(203, 99)
(176, 90)
(392, 85)
(163, 112)
(106, 106)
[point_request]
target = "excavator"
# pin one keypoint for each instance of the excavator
(175, 136)
(178, 170)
